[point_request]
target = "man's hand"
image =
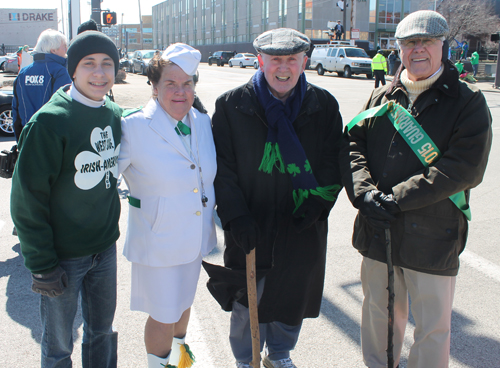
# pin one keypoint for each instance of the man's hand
(51, 284)
(245, 232)
(390, 204)
(307, 214)
(379, 209)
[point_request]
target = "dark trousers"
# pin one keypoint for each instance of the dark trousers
(338, 36)
(379, 77)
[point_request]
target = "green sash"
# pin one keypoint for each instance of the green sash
(416, 137)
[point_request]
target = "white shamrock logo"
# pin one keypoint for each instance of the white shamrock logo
(91, 167)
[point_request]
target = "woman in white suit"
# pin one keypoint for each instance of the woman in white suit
(167, 159)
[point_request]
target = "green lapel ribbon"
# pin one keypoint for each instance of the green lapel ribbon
(416, 137)
(135, 202)
(182, 128)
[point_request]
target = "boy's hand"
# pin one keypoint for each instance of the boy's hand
(51, 284)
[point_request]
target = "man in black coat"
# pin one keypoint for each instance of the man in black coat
(339, 30)
(436, 119)
(277, 139)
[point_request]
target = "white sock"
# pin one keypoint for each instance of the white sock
(175, 353)
(156, 362)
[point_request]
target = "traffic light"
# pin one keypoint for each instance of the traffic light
(109, 18)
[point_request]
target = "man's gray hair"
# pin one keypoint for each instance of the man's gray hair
(49, 40)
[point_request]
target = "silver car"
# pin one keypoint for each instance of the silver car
(3, 59)
(140, 61)
(9, 64)
(6, 123)
(242, 60)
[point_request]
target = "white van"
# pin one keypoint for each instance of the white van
(342, 57)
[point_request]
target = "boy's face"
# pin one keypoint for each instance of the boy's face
(94, 76)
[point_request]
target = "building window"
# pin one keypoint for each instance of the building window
(309, 14)
(389, 12)
(282, 9)
(265, 14)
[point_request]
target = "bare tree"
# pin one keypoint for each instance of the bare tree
(490, 47)
(474, 18)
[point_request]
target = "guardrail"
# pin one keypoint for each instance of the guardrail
(493, 57)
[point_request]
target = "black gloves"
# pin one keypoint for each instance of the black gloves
(51, 284)
(379, 209)
(308, 213)
(245, 232)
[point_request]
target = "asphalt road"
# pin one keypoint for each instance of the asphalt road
(333, 339)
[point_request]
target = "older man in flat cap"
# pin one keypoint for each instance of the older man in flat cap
(408, 165)
(277, 140)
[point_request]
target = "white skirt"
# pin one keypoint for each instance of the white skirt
(164, 292)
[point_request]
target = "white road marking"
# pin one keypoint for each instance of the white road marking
(197, 342)
(480, 264)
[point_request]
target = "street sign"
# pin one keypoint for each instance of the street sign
(355, 34)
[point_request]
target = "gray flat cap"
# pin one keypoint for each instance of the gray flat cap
(423, 23)
(282, 41)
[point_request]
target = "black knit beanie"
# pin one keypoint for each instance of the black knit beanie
(89, 25)
(88, 43)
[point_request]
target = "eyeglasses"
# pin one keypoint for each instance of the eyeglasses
(425, 42)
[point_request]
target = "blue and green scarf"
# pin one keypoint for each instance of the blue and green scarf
(283, 149)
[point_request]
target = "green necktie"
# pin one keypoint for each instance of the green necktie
(182, 129)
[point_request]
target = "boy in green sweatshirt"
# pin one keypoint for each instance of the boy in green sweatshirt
(65, 205)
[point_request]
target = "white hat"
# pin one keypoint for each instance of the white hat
(184, 56)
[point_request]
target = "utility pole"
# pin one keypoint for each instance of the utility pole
(140, 20)
(496, 38)
(375, 36)
(62, 17)
(344, 19)
(74, 17)
(353, 17)
(96, 12)
(121, 33)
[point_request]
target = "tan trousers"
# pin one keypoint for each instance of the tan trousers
(431, 305)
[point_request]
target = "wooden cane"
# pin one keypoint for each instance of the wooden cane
(252, 307)
(390, 304)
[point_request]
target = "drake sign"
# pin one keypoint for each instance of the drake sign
(31, 17)
(23, 26)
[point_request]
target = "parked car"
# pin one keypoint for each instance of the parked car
(256, 63)
(3, 60)
(125, 61)
(342, 57)
(220, 57)
(140, 61)
(11, 65)
(6, 123)
(243, 60)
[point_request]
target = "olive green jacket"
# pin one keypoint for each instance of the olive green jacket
(430, 232)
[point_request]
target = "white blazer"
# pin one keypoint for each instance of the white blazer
(171, 227)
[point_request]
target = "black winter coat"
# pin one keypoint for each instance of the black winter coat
(431, 231)
(294, 263)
